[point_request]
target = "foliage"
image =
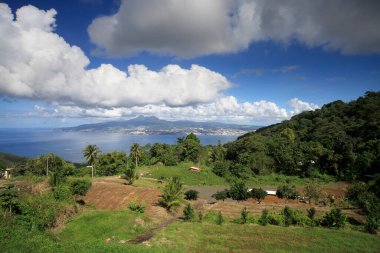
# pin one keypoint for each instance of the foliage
(335, 218)
(220, 168)
(191, 195)
(109, 164)
(238, 190)
(311, 213)
(188, 213)
(264, 217)
(172, 194)
(244, 215)
(289, 218)
(62, 192)
(258, 194)
(38, 166)
(219, 218)
(372, 225)
(135, 207)
(221, 195)
(313, 191)
(164, 153)
(9, 199)
(136, 153)
(80, 186)
(287, 192)
(130, 175)
(91, 153)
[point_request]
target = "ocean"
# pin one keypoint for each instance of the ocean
(69, 145)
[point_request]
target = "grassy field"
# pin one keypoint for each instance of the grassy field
(196, 237)
(207, 177)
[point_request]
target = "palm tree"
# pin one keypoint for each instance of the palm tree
(136, 152)
(91, 153)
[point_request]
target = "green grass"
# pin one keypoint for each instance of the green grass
(205, 177)
(278, 179)
(196, 237)
(96, 226)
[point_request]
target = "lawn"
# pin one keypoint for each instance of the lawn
(205, 177)
(196, 237)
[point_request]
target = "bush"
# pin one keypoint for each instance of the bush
(219, 218)
(130, 175)
(311, 213)
(200, 217)
(221, 195)
(335, 218)
(264, 218)
(372, 225)
(244, 215)
(191, 195)
(62, 192)
(289, 218)
(188, 212)
(258, 194)
(238, 191)
(80, 186)
(287, 192)
(134, 206)
(172, 194)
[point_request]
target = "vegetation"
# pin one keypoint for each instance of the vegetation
(9, 199)
(238, 191)
(258, 194)
(136, 153)
(130, 175)
(80, 186)
(91, 153)
(191, 195)
(189, 213)
(172, 194)
(287, 192)
(335, 218)
(136, 207)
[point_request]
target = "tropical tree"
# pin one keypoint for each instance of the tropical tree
(91, 153)
(172, 194)
(9, 199)
(130, 175)
(136, 153)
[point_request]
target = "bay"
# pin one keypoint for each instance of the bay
(69, 145)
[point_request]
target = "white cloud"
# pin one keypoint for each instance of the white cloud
(197, 27)
(37, 63)
(300, 106)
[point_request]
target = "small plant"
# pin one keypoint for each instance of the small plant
(9, 199)
(244, 215)
(135, 207)
(264, 218)
(200, 217)
(372, 224)
(258, 194)
(221, 195)
(172, 194)
(61, 192)
(219, 218)
(80, 186)
(188, 212)
(335, 218)
(130, 175)
(288, 216)
(311, 213)
(191, 195)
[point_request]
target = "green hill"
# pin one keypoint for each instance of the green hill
(340, 139)
(9, 160)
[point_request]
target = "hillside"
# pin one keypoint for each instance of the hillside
(340, 139)
(9, 160)
(151, 125)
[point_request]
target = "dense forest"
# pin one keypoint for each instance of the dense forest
(340, 139)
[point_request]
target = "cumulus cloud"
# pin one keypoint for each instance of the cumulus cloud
(192, 28)
(300, 106)
(224, 108)
(37, 63)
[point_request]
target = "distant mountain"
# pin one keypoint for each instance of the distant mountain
(154, 126)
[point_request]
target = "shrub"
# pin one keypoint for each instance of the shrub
(275, 219)
(258, 194)
(191, 195)
(311, 213)
(80, 186)
(134, 206)
(221, 195)
(287, 192)
(130, 175)
(62, 192)
(289, 219)
(335, 218)
(313, 191)
(188, 212)
(244, 215)
(238, 191)
(372, 224)
(219, 218)
(172, 194)
(264, 218)
(200, 217)
(9, 199)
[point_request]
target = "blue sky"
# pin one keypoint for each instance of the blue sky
(250, 71)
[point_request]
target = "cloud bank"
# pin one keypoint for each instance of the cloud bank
(193, 28)
(36, 63)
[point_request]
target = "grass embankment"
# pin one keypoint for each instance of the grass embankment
(196, 237)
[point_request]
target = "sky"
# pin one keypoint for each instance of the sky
(65, 63)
